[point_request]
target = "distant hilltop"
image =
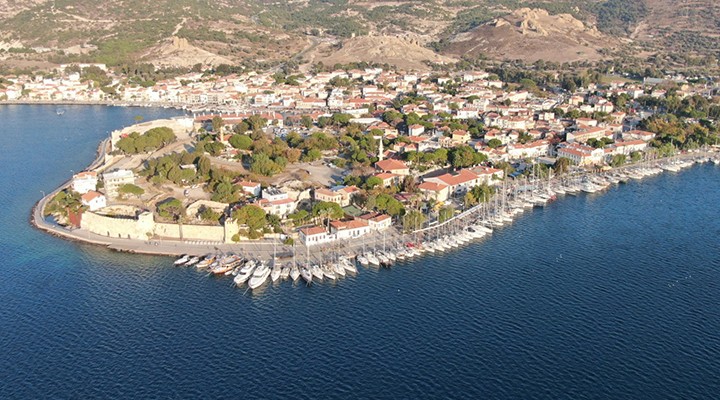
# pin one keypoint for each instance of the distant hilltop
(259, 33)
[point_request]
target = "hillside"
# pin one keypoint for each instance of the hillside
(532, 34)
(265, 32)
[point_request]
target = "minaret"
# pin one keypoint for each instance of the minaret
(380, 147)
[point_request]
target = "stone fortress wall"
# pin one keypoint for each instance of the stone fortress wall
(144, 227)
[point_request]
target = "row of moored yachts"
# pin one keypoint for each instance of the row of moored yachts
(256, 273)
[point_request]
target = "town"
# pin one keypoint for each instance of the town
(335, 156)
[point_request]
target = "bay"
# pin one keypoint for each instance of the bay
(593, 297)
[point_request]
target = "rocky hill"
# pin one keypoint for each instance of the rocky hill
(532, 34)
(267, 32)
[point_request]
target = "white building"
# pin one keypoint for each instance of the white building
(275, 201)
(84, 182)
(113, 180)
(93, 200)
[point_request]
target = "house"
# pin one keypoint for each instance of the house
(275, 201)
(113, 180)
(354, 228)
(388, 179)
(585, 134)
(629, 146)
(460, 136)
(341, 195)
(488, 175)
(458, 183)
(435, 191)
(377, 221)
(84, 182)
(538, 148)
(637, 134)
(93, 200)
(416, 130)
(314, 235)
(396, 167)
(251, 188)
(580, 154)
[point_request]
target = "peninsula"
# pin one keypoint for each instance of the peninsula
(347, 161)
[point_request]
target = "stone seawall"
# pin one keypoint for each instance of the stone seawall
(144, 228)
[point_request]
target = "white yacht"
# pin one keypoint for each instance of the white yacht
(245, 273)
(259, 277)
(182, 260)
(362, 260)
(192, 261)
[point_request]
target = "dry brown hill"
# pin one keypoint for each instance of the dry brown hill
(406, 54)
(532, 34)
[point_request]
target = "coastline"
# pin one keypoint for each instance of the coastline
(263, 248)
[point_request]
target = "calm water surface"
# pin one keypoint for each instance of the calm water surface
(593, 297)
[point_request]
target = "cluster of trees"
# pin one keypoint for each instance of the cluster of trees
(171, 209)
(168, 168)
(64, 202)
(599, 143)
(677, 132)
(151, 140)
(254, 218)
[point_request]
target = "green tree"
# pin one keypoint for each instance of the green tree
(242, 142)
(130, 189)
(217, 124)
(171, 208)
(562, 164)
(372, 182)
(413, 220)
(256, 122)
(618, 160)
(446, 213)
(263, 165)
(306, 121)
(494, 143)
(252, 216)
(328, 210)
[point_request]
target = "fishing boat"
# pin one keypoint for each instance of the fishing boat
(259, 277)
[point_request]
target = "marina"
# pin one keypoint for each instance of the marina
(331, 264)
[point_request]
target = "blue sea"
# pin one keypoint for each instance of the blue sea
(605, 296)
